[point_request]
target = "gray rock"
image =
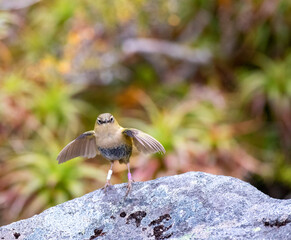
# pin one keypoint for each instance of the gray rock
(193, 205)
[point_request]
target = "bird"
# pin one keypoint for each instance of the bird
(113, 142)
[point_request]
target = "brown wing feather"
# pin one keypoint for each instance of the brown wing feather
(84, 145)
(144, 142)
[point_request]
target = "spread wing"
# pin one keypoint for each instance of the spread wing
(84, 145)
(144, 142)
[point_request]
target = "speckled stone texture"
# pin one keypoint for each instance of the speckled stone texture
(193, 205)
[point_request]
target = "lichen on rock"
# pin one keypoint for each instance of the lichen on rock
(193, 205)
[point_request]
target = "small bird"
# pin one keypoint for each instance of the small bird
(111, 141)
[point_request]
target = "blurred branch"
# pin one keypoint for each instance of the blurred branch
(173, 50)
(195, 27)
(16, 4)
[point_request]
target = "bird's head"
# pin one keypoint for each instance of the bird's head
(105, 119)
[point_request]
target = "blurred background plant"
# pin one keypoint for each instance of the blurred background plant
(210, 79)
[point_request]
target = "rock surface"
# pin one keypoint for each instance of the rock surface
(193, 205)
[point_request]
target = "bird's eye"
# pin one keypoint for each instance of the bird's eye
(111, 119)
(99, 121)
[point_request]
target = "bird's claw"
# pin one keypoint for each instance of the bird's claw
(106, 186)
(129, 187)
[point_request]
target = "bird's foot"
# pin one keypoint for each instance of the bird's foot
(106, 186)
(129, 187)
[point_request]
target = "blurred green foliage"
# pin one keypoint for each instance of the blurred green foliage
(213, 85)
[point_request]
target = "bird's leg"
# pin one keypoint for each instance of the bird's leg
(130, 180)
(108, 177)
